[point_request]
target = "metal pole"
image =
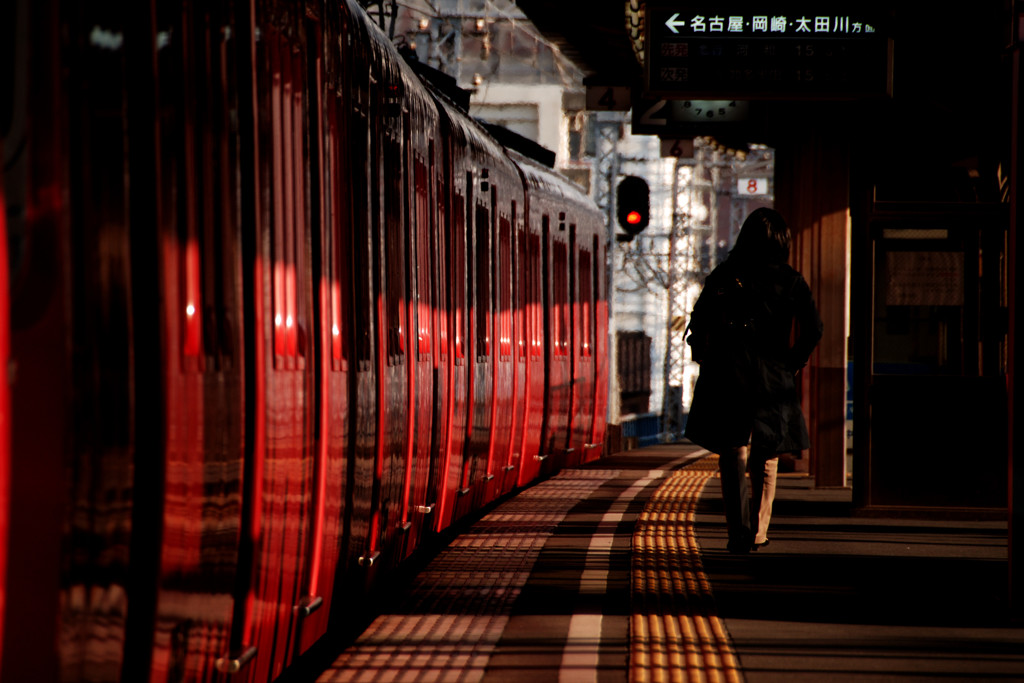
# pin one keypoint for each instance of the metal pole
(609, 126)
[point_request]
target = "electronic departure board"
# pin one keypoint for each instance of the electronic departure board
(715, 52)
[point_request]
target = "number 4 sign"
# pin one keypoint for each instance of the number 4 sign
(608, 98)
(750, 186)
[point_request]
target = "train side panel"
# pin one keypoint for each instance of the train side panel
(564, 242)
(328, 316)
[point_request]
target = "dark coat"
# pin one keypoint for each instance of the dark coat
(746, 391)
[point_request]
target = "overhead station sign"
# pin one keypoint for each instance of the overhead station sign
(718, 51)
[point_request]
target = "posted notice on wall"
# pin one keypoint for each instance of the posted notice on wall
(925, 278)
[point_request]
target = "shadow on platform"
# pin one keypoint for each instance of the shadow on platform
(838, 597)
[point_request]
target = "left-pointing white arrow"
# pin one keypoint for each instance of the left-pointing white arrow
(675, 24)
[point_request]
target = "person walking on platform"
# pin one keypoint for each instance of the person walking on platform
(745, 403)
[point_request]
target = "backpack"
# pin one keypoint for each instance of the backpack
(727, 318)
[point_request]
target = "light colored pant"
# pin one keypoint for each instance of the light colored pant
(763, 473)
(764, 467)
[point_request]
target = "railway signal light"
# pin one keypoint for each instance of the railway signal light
(633, 199)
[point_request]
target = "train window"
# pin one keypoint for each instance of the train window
(504, 276)
(533, 299)
(283, 234)
(190, 266)
(337, 235)
(191, 295)
(522, 272)
(394, 247)
(285, 177)
(300, 216)
(598, 286)
(277, 233)
(222, 270)
(205, 204)
(458, 265)
(483, 278)
(361, 239)
(440, 251)
(423, 252)
(586, 307)
(560, 282)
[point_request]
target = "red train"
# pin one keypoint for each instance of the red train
(279, 312)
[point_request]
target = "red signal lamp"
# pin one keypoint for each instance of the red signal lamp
(633, 200)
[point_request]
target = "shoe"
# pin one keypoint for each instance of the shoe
(740, 546)
(758, 546)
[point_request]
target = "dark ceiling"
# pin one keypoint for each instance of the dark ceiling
(950, 100)
(591, 33)
(947, 47)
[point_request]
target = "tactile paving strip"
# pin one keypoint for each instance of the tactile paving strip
(448, 626)
(675, 634)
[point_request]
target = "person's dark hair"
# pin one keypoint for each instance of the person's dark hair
(763, 237)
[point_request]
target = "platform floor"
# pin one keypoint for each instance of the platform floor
(618, 572)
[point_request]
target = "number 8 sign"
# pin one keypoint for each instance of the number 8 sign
(750, 186)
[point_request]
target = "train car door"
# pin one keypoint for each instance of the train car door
(518, 350)
(278, 498)
(201, 271)
(580, 363)
(503, 402)
(415, 506)
(329, 192)
(442, 284)
(585, 375)
(597, 435)
(394, 336)
(454, 486)
(532, 275)
(480, 306)
(557, 318)
(379, 398)
(364, 260)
